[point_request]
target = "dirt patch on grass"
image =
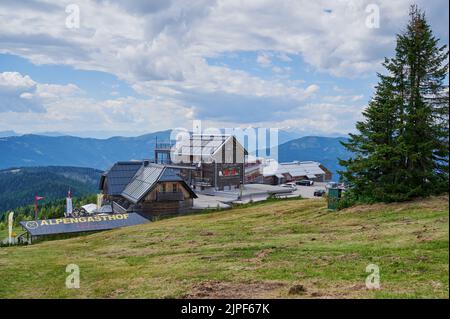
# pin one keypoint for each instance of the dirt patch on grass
(309, 290)
(215, 289)
(297, 290)
(259, 256)
(206, 233)
(220, 289)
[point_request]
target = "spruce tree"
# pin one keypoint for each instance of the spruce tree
(401, 148)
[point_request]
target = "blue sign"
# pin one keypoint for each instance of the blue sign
(82, 224)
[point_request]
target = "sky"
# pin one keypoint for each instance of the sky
(103, 68)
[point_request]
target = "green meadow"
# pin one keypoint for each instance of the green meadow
(276, 249)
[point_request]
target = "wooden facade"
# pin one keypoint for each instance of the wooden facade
(168, 198)
(218, 161)
(154, 190)
(221, 176)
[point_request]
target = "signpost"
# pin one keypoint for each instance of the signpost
(99, 201)
(10, 227)
(81, 224)
(69, 208)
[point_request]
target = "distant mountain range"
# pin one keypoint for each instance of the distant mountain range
(45, 150)
(41, 150)
(283, 135)
(8, 133)
(18, 186)
(326, 150)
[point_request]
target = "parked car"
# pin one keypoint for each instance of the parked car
(291, 186)
(342, 186)
(319, 192)
(305, 182)
(332, 185)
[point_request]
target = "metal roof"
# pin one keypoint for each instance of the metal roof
(201, 145)
(105, 209)
(146, 179)
(90, 208)
(309, 169)
(81, 224)
(119, 176)
(170, 175)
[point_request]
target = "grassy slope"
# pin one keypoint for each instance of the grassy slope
(258, 251)
(4, 231)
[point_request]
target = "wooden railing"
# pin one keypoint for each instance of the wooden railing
(169, 196)
(164, 146)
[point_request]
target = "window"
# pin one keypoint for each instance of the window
(174, 188)
(163, 188)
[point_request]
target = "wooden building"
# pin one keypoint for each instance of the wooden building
(218, 160)
(153, 190)
(114, 180)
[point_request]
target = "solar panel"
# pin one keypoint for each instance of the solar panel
(143, 182)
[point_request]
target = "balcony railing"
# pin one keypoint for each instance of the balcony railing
(175, 196)
(164, 146)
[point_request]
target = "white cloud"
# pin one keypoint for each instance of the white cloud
(163, 39)
(161, 48)
(264, 60)
(17, 93)
(322, 118)
(50, 107)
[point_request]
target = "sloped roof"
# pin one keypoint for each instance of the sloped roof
(202, 144)
(83, 224)
(309, 169)
(119, 176)
(146, 179)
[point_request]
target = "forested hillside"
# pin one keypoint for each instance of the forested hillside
(18, 186)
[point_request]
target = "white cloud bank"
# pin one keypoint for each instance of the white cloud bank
(161, 49)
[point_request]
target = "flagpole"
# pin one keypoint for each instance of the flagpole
(35, 208)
